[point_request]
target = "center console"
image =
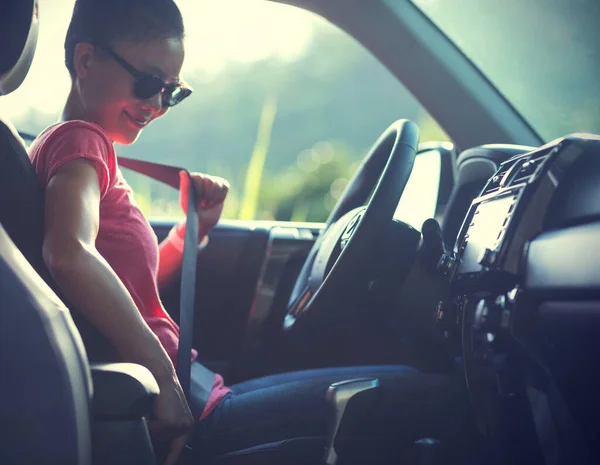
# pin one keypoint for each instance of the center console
(514, 207)
(548, 190)
(509, 211)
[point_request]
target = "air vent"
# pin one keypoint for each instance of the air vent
(498, 180)
(529, 167)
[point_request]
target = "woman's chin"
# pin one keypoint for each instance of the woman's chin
(127, 137)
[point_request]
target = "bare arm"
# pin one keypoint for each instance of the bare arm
(88, 281)
(72, 220)
(169, 263)
(171, 256)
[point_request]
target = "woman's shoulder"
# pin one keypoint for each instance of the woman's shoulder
(70, 140)
(72, 134)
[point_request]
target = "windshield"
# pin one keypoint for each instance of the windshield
(542, 55)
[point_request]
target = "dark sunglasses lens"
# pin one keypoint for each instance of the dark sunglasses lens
(147, 87)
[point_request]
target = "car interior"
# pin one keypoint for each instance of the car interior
(500, 289)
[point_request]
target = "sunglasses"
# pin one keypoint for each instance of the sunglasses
(148, 85)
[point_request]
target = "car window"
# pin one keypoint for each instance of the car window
(543, 55)
(285, 105)
(420, 196)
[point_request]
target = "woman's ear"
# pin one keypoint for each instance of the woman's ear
(82, 57)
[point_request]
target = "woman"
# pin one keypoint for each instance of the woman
(124, 59)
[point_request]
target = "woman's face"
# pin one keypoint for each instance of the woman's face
(106, 88)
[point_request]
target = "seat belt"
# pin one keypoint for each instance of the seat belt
(203, 378)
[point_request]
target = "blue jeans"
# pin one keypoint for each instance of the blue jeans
(413, 405)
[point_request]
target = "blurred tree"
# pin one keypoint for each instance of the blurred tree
(255, 170)
(307, 190)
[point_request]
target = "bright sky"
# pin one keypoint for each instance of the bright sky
(217, 31)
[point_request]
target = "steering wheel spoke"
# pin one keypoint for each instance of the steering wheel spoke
(298, 306)
(300, 302)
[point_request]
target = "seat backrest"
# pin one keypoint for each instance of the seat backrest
(45, 387)
(20, 190)
(19, 25)
(21, 197)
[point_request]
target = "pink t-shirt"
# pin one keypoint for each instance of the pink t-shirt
(125, 238)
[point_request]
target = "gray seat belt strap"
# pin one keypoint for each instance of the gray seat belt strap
(203, 378)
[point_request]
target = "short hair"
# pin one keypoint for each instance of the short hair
(101, 22)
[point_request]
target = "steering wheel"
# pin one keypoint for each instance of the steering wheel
(353, 229)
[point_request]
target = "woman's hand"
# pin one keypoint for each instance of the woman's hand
(211, 193)
(172, 419)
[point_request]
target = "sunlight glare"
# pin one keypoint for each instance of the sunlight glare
(217, 32)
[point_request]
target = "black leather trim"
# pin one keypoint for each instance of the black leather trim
(497, 153)
(122, 391)
(22, 206)
(565, 263)
(293, 451)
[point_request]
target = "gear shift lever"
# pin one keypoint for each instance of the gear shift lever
(350, 400)
(433, 244)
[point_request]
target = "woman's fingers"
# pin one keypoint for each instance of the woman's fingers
(222, 192)
(211, 190)
(219, 190)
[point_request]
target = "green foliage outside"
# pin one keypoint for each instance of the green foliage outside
(287, 135)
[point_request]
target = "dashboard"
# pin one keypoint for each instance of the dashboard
(514, 206)
(524, 273)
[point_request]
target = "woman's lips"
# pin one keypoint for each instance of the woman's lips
(140, 123)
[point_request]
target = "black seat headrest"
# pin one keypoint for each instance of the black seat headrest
(19, 26)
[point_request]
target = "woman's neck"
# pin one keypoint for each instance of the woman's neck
(73, 108)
